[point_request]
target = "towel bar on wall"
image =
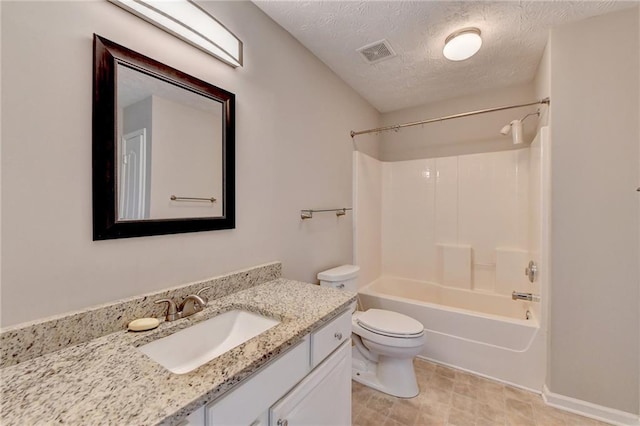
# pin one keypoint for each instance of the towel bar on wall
(174, 198)
(308, 214)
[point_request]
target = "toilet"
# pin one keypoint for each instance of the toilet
(385, 342)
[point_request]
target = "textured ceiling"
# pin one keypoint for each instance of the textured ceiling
(514, 36)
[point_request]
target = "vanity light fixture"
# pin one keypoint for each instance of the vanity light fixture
(462, 44)
(189, 22)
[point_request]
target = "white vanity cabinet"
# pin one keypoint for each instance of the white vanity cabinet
(308, 385)
(322, 398)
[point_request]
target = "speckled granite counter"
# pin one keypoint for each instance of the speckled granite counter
(108, 381)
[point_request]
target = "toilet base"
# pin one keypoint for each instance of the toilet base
(392, 376)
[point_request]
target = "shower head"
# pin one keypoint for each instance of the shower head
(515, 127)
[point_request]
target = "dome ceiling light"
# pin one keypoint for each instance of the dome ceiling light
(462, 44)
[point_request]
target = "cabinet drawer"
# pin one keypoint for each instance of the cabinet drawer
(329, 337)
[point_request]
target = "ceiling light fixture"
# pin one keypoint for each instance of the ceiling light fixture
(187, 21)
(462, 44)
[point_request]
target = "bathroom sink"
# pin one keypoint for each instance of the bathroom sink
(187, 349)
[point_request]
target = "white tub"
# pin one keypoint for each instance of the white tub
(484, 333)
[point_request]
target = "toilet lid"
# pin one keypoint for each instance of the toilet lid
(389, 323)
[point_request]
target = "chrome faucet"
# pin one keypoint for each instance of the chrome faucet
(191, 304)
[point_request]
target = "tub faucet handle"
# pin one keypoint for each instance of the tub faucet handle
(531, 271)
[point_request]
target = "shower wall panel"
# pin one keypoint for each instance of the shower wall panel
(408, 216)
(478, 200)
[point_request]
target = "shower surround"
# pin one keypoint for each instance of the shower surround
(458, 221)
(446, 241)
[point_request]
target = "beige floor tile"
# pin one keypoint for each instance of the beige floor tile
(422, 365)
(521, 408)
(445, 372)
(367, 417)
(450, 397)
(391, 422)
(423, 376)
(415, 402)
(490, 413)
(404, 411)
(490, 387)
(427, 420)
(515, 419)
(435, 409)
(493, 399)
(381, 403)
(436, 395)
(463, 403)
(548, 416)
(520, 394)
(460, 418)
(361, 393)
(468, 378)
(356, 407)
(481, 421)
(438, 381)
(466, 389)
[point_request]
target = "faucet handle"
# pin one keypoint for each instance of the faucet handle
(202, 290)
(172, 310)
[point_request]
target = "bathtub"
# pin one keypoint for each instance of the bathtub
(484, 333)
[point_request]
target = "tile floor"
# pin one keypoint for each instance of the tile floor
(454, 397)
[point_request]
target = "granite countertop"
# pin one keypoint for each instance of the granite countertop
(108, 381)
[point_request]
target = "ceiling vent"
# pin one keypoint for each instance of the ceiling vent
(376, 52)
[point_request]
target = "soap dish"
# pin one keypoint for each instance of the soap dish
(143, 324)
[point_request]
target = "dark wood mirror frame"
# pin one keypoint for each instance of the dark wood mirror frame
(107, 55)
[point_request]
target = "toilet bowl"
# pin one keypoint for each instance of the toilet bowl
(385, 342)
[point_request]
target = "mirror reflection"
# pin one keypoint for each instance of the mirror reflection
(169, 150)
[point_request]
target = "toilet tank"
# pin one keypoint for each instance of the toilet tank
(343, 277)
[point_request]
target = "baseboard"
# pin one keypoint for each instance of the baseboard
(588, 409)
(466, 370)
(475, 373)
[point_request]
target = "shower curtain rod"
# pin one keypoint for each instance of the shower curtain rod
(447, 117)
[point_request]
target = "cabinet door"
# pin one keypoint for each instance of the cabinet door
(246, 403)
(195, 419)
(322, 398)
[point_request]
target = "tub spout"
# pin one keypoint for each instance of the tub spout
(525, 296)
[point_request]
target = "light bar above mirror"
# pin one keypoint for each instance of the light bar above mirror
(189, 22)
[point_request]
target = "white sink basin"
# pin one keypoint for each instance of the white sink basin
(187, 349)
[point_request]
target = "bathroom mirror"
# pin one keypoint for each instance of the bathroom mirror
(163, 148)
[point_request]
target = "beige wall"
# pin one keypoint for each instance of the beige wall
(542, 83)
(594, 353)
(186, 158)
(293, 152)
(469, 135)
(541, 200)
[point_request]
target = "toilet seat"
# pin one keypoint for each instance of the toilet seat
(389, 323)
